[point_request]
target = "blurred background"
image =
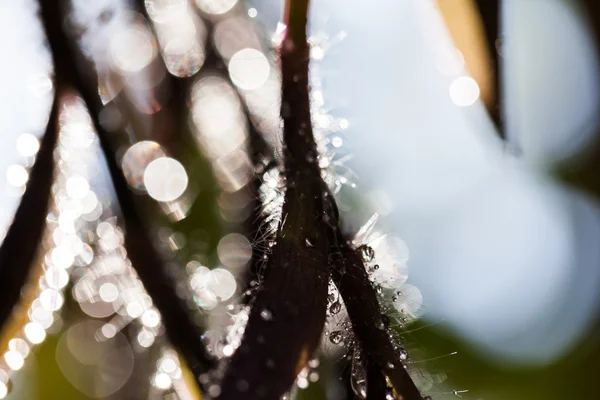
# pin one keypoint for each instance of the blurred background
(480, 153)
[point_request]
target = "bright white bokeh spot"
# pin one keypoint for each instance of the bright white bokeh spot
(168, 365)
(165, 179)
(38, 314)
(17, 175)
(464, 91)
(135, 309)
(62, 257)
(228, 350)
(108, 330)
(3, 390)
(151, 318)
(108, 292)
(77, 187)
(35, 332)
(56, 278)
(66, 221)
(14, 360)
(317, 52)
(216, 6)
(337, 141)
(132, 49)
(252, 13)
(249, 69)
(145, 338)
(89, 202)
(222, 283)
(162, 381)
(28, 145)
(51, 300)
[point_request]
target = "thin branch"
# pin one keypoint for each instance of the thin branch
(182, 332)
(360, 298)
(288, 314)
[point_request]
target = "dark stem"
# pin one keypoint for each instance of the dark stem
(288, 313)
(360, 298)
(490, 11)
(376, 387)
(20, 245)
(182, 332)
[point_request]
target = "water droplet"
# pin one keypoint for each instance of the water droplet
(336, 337)
(403, 354)
(367, 253)
(376, 267)
(391, 365)
(308, 243)
(266, 315)
(335, 307)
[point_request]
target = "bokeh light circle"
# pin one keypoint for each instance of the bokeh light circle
(165, 179)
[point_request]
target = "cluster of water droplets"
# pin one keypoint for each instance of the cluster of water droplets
(83, 247)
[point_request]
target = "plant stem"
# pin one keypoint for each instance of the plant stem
(288, 313)
(20, 245)
(360, 298)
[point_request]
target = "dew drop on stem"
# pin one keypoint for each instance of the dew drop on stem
(336, 337)
(367, 253)
(403, 354)
(335, 307)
